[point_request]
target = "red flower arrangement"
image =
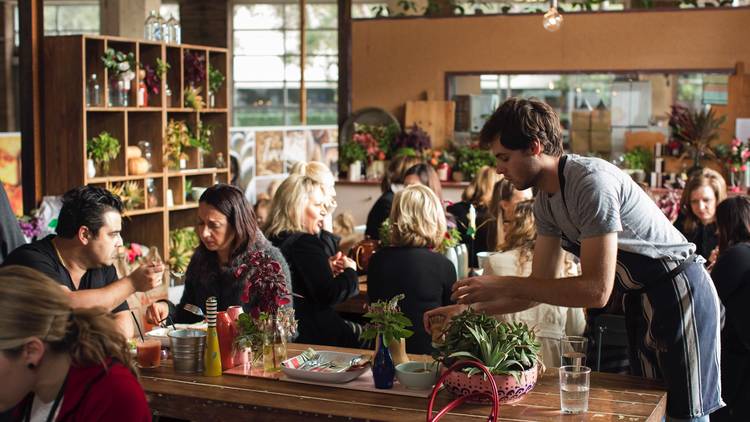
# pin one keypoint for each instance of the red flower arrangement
(370, 145)
(264, 284)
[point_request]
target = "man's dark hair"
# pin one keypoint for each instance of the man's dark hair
(85, 206)
(733, 221)
(230, 201)
(519, 121)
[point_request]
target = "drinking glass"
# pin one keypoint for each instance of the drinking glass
(148, 353)
(573, 351)
(574, 389)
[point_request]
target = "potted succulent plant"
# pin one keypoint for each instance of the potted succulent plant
(101, 150)
(509, 350)
(388, 327)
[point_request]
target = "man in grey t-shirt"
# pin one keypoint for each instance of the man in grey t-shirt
(590, 208)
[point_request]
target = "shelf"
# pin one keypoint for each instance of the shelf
(181, 110)
(193, 172)
(188, 206)
(124, 178)
(131, 213)
(120, 109)
(213, 110)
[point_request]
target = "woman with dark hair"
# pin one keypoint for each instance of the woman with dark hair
(697, 219)
(228, 232)
(426, 175)
(731, 275)
(391, 183)
(61, 363)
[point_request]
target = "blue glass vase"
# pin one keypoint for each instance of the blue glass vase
(383, 369)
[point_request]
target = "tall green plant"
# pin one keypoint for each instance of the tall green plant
(386, 319)
(102, 149)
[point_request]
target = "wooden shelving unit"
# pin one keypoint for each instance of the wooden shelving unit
(69, 123)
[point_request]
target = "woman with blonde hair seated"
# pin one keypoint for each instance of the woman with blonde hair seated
(322, 281)
(410, 266)
(322, 174)
(514, 259)
(61, 363)
(479, 194)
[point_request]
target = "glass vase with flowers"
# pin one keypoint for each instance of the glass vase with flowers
(265, 293)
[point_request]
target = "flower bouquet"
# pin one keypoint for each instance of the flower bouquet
(737, 163)
(264, 290)
(387, 325)
(121, 68)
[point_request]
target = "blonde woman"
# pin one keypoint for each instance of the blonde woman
(551, 322)
(697, 218)
(410, 266)
(479, 194)
(321, 174)
(391, 183)
(322, 281)
(60, 363)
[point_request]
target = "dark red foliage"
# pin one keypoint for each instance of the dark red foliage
(264, 286)
(195, 67)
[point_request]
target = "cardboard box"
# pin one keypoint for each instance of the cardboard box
(580, 141)
(601, 141)
(601, 120)
(580, 120)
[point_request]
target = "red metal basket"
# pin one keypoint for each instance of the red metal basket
(459, 400)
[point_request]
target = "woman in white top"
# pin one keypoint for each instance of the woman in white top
(515, 256)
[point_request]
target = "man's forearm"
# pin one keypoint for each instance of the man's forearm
(125, 323)
(572, 292)
(109, 296)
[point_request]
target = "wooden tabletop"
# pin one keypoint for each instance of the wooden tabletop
(195, 397)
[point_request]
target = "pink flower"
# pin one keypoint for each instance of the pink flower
(736, 142)
(743, 167)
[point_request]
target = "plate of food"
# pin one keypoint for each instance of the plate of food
(325, 366)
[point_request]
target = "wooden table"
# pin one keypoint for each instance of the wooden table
(234, 398)
(357, 304)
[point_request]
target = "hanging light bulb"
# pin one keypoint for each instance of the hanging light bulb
(552, 19)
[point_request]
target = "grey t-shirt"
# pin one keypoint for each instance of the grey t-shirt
(602, 199)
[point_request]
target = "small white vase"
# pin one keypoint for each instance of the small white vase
(355, 171)
(450, 253)
(90, 169)
(460, 261)
(465, 263)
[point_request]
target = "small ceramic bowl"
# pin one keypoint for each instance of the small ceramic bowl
(160, 334)
(417, 375)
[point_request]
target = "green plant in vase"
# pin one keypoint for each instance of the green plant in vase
(215, 80)
(177, 138)
(351, 152)
(201, 140)
(121, 67)
(470, 160)
(102, 149)
(387, 322)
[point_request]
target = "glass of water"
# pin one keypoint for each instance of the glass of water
(573, 351)
(574, 389)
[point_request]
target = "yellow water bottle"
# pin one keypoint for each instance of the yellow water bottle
(212, 357)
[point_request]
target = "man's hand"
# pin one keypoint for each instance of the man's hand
(444, 313)
(483, 288)
(147, 277)
(157, 312)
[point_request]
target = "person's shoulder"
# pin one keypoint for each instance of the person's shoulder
(26, 254)
(128, 398)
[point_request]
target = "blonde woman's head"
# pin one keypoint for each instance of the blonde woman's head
(298, 206)
(37, 322)
(479, 192)
(417, 218)
(321, 174)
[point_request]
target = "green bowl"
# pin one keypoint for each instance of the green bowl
(417, 375)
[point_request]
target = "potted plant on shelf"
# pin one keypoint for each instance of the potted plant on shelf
(351, 157)
(153, 77)
(637, 163)
(413, 141)
(130, 193)
(195, 74)
(694, 130)
(215, 80)
(387, 326)
(121, 68)
(201, 141)
(469, 160)
(176, 140)
(509, 350)
(100, 150)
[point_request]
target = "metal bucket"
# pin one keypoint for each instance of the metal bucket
(187, 348)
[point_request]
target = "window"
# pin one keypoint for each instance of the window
(267, 64)
(66, 19)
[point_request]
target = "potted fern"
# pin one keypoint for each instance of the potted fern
(388, 327)
(101, 150)
(509, 350)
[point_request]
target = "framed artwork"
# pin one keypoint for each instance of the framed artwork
(295, 147)
(269, 147)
